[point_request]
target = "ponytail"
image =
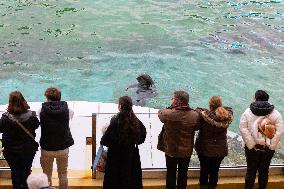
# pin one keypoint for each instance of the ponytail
(215, 104)
(222, 113)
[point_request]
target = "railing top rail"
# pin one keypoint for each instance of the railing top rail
(117, 112)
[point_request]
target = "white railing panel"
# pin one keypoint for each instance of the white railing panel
(85, 108)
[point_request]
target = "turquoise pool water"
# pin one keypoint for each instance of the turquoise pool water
(92, 50)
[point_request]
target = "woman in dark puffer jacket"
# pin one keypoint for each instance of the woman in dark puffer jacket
(19, 147)
(211, 143)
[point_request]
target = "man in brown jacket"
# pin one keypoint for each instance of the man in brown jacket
(180, 124)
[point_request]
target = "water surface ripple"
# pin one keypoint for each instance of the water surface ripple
(93, 50)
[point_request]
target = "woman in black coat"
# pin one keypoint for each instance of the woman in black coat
(19, 147)
(211, 143)
(124, 134)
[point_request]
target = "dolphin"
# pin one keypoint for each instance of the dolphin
(145, 89)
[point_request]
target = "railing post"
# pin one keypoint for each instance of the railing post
(94, 125)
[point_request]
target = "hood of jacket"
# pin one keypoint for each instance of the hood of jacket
(55, 107)
(22, 117)
(261, 108)
(211, 118)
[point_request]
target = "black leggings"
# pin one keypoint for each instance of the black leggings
(209, 168)
(20, 165)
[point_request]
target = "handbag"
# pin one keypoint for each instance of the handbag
(161, 140)
(11, 117)
(266, 127)
(100, 160)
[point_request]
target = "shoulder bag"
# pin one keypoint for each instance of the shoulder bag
(11, 117)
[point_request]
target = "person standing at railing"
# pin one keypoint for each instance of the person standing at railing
(180, 124)
(122, 137)
(56, 137)
(211, 143)
(18, 126)
(258, 152)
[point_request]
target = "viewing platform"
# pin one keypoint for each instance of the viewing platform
(86, 128)
(275, 182)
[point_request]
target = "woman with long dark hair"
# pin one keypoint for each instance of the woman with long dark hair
(211, 143)
(122, 137)
(19, 145)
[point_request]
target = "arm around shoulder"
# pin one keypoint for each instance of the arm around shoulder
(198, 121)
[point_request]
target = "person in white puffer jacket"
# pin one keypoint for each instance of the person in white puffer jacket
(258, 151)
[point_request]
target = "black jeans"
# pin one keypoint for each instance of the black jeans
(209, 168)
(20, 165)
(257, 161)
(172, 163)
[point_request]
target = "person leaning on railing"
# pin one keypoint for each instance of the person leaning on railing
(180, 124)
(259, 149)
(56, 137)
(211, 143)
(19, 148)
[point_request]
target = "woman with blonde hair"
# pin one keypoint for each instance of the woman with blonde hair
(211, 143)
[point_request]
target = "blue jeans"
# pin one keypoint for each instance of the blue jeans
(20, 165)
